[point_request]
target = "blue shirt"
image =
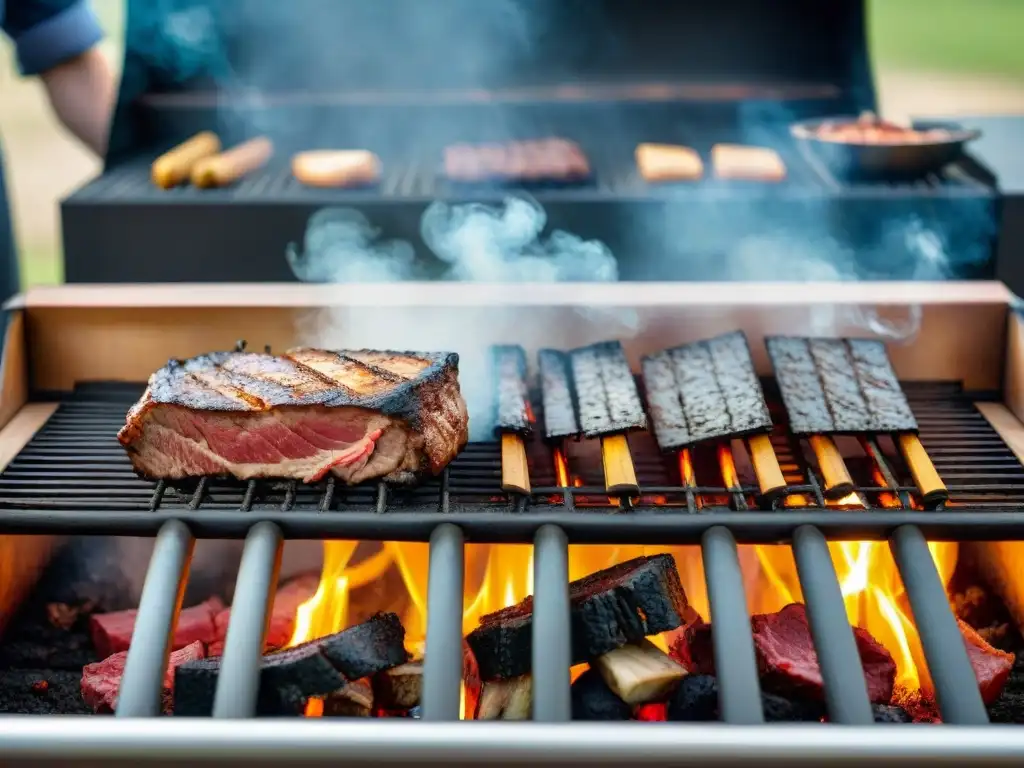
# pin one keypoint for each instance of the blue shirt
(45, 33)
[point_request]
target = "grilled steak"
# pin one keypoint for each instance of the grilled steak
(358, 415)
(532, 161)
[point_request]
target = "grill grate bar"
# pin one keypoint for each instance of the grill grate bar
(142, 681)
(442, 661)
(552, 633)
(845, 689)
(238, 684)
(739, 690)
(956, 687)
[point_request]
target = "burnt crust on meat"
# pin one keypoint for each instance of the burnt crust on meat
(412, 392)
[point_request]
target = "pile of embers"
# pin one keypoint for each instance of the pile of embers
(365, 670)
(615, 613)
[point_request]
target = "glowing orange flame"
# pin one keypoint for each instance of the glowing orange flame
(561, 468)
(728, 466)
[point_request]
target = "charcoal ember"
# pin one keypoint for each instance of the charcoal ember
(296, 674)
(606, 392)
(991, 666)
(651, 712)
(399, 687)
(557, 396)
(608, 609)
(101, 682)
(695, 700)
(592, 699)
(112, 632)
(365, 649)
(779, 709)
(704, 391)
(20, 692)
(839, 385)
(886, 713)
(470, 678)
(288, 678)
(786, 659)
(513, 404)
(34, 642)
(353, 700)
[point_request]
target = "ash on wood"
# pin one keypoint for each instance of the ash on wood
(289, 677)
(704, 391)
(606, 392)
(557, 396)
(839, 386)
(608, 609)
(509, 365)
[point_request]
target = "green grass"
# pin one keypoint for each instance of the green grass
(949, 36)
(41, 266)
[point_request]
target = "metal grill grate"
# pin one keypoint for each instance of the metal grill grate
(73, 477)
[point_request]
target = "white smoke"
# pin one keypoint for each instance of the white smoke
(474, 243)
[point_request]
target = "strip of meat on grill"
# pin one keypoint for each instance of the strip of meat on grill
(358, 415)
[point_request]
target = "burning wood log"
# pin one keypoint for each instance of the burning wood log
(315, 669)
(399, 687)
(355, 699)
(640, 672)
(609, 406)
(610, 608)
(514, 417)
(592, 699)
(709, 391)
(848, 386)
(510, 699)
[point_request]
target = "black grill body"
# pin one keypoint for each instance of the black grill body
(607, 74)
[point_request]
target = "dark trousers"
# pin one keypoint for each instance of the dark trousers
(10, 276)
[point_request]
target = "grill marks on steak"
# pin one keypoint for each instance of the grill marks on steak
(359, 415)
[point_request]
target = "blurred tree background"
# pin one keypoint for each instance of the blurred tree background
(931, 57)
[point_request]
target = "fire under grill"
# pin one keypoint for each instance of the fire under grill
(72, 477)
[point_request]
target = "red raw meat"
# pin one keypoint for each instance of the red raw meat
(282, 616)
(101, 681)
(991, 665)
(112, 632)
(785, 655)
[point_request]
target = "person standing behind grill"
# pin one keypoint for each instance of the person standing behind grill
(57, 40)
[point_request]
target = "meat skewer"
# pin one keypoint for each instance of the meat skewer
(848, 386)
(175, 166)
(708, 391)
(514, 417)
(228, 167)
(609, 406)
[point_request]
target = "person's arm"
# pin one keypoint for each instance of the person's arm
(57, 39)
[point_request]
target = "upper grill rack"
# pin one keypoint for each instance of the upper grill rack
(614, 177)
(74, 465)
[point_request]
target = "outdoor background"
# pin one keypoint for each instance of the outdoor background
(931, 57)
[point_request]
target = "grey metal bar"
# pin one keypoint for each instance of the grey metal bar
(179, 741)
(552, 636)
(846, 691)
(238, 684)
(143, 678)
(442, 661)
(739, 690)
(645, 525)
(956, 687)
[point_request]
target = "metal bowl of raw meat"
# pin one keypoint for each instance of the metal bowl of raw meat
(867, 148)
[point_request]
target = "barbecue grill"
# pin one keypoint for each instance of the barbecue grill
(73, 360)
(607, 75)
